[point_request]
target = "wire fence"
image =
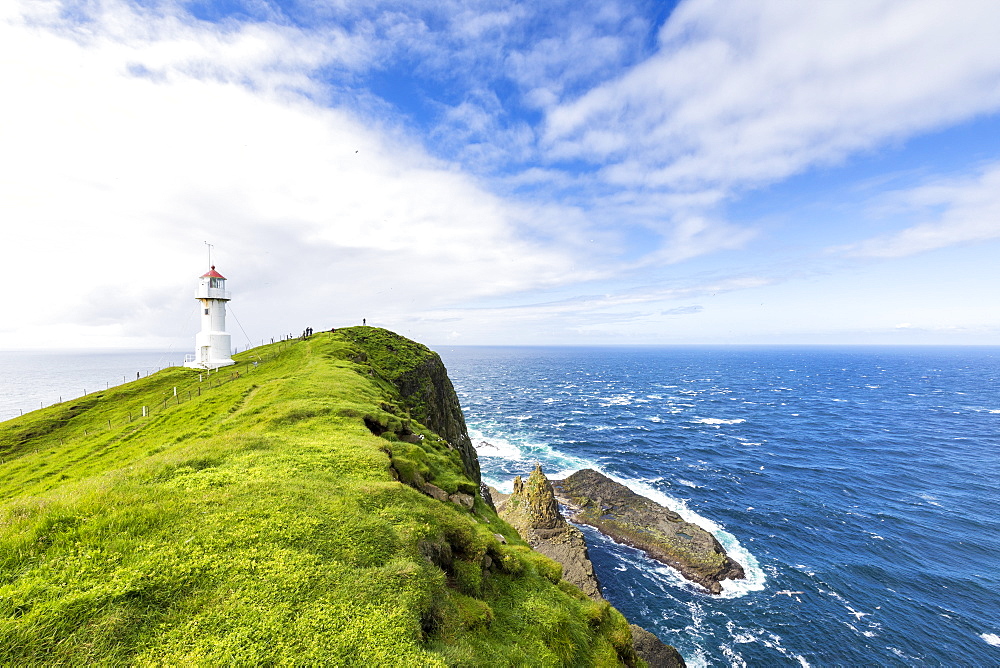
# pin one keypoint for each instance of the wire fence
(189, 390)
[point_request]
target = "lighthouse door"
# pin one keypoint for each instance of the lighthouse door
(204, 351)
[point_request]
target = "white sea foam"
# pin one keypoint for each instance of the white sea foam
(930, 499)
(716, 421)
(619, 400)
(734, 658)
(688, 483)
(991, 638)
(497, 447)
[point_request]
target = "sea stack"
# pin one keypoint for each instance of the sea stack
(618, 512)
(213, 345)
(532, 510)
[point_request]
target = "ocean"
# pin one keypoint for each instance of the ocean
(857, 486)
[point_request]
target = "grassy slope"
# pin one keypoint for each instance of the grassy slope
(260, 522)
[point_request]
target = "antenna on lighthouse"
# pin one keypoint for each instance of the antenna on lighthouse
(209, 253)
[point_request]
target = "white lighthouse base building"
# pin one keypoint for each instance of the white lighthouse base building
(213, 345)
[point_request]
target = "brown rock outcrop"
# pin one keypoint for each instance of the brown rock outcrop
(532, 510)
(655, 652)
(629, 518)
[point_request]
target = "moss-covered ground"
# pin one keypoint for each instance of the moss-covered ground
(262, 521)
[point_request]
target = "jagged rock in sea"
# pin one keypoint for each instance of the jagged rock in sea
(532, 510)
(629, 518)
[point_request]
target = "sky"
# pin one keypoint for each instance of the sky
(502, 173)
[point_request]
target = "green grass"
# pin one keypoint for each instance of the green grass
(261, 522)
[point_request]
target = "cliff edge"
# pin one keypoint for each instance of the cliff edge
(317, 503)
(419, 375)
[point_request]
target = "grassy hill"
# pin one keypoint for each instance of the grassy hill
(272, 514)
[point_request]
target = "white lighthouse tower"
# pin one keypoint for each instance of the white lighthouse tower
(213, 347)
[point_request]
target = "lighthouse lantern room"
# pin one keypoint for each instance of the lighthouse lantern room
(213, 346)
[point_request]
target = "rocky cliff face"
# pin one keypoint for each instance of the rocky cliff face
(632, 519)
(655, 652)
(420, 376)
(429, 392)
(532, 510)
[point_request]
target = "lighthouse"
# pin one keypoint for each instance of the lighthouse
(213, 347)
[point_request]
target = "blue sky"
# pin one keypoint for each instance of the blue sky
(503, 173)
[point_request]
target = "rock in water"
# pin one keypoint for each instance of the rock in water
(532, 510)
(655, 652)
(634, 520)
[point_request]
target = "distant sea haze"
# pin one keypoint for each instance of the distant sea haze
(858, 487)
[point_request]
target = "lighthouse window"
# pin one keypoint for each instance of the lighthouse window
(216, 282)
(206, 311)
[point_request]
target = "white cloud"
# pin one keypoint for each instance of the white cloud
(957, 211)
(749, 93)
(111, 182)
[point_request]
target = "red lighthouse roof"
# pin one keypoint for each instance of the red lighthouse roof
(212, 273)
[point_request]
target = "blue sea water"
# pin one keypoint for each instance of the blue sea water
(857, 486)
